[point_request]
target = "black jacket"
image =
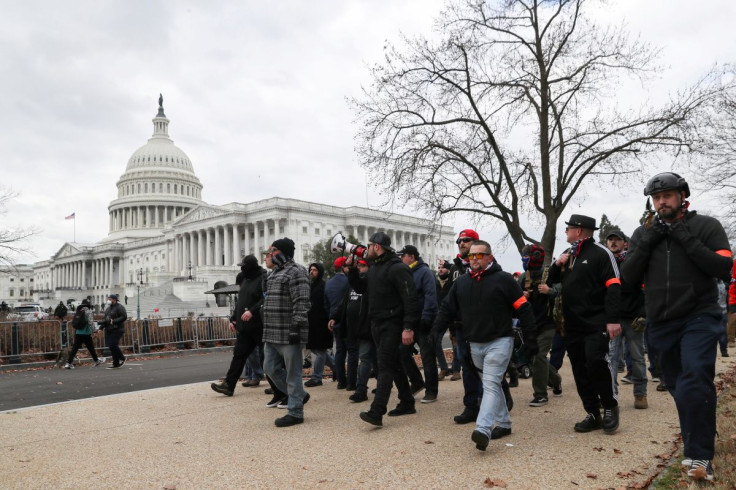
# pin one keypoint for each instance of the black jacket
(115, 316)
(353, 313)
(591, 288)
(320, 337)
(487, 306)
(250, 297)
(541, 303)
(392, 295)
(680, 270)
(632, 298)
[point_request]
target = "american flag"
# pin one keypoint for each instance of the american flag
(71, 216)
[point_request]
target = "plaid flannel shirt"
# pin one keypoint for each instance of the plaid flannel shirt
(286, 303)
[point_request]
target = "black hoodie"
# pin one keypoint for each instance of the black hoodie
(320, 337)
(250, 297)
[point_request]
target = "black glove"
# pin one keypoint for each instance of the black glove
(530, 348)
(654, 234)
(294, 338)
(639, 324)
(679, 231)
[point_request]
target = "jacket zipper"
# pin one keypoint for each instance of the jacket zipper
(667, 282)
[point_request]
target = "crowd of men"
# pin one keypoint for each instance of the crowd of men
(654, 294)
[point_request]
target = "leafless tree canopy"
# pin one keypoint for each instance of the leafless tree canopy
(12, 241)
(510, 108)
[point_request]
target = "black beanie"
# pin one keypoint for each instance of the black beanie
(249, 263)
(286, 245)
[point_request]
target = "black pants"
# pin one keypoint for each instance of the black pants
(113, 340)
(78, 341)
(387, 335)
(427, 350)
(244, 346)
(588, 357)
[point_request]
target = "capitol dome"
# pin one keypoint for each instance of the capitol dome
(157, 187)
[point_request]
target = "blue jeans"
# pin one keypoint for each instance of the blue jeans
(635, 341)
(321, 357)
(283, 364)
(367, 356)
(253, 366)
(493, 358)
(687, 353)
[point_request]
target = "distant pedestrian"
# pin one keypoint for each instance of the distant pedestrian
(61, 311)
(114, 325)
(320, 336)
(84, 327)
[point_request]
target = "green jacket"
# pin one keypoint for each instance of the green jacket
(89, 329)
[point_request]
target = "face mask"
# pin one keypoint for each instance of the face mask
(108, 303)
(443, 276)
(525, 262)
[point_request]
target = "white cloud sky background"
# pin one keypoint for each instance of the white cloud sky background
(256, 97)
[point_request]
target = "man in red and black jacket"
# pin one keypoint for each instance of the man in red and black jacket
(488, 298)
(591, 292)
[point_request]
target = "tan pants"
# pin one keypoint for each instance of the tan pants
(731, 329)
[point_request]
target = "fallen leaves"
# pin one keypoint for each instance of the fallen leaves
(494, 483)
(428, 442)
(592, 476)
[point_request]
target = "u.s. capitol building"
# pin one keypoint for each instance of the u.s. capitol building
(162, 234)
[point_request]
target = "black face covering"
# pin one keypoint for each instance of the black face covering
(443, 276)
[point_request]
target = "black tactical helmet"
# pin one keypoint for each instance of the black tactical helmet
(666, 181)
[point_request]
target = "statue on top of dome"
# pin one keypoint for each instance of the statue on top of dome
(161, 101)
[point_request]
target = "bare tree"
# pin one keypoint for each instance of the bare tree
(511, 110)
(715, 153)
(11, 240)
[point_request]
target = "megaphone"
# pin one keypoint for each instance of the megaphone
(340, 244)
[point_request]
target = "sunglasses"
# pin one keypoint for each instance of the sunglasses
(571, 228)
(477, 256)
(463, 240)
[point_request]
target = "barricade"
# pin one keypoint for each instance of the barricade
(38, 341)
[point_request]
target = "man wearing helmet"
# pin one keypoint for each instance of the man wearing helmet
(678, 255)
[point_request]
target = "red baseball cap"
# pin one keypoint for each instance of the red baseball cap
(469, 234)
(362, 262)
(339, 262)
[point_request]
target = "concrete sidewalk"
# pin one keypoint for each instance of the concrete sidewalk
(191, 437)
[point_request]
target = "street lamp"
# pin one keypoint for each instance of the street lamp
(138, 285)
(190, 271)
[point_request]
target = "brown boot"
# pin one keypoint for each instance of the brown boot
(443, 373)
(640, 402)
(455, 376)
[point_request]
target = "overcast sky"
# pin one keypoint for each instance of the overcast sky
(256, 94)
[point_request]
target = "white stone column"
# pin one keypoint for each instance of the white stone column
(192, 249)
(246, 239)
(226, 244)
(201, 237)
(112, 272)
(257, 248)
(235, 248)
(148, 216)
(218, 247)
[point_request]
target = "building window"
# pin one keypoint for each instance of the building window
(12, 292)
(175, 188)
(163, 256)
(31, 279)
(329, 232)
(168, 188)
(160, 187)
(22, 292)
(304, 230)
(316, 231)
(281, 228)
(21, 279)
(12, 279)
(260, 233)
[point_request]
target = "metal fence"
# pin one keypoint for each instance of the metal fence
(33, 341)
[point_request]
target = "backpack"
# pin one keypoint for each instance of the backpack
(79, 322)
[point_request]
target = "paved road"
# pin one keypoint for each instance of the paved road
(35, 387)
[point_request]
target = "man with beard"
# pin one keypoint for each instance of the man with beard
(245, 322)
(285, 326)
(393, 312)
(488, 298)
(680, 255)
(632, 326)
(443, 287)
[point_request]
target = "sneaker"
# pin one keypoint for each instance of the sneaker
(416, 388)
(514, 382)
(626, 379)
(443, 374)
(661, 386)
(610, 420)
(538, 401)
(640, 402)
(274, 401)
(113, 366)
(122, 361)
(100, 360)
(701, 469)
(557, 389)
(592, 421)
(288, 420)
(402, 409)
(307, 364)
(469, 415)
(655, 379)
(499, 432)
(251, 383)
(429, 398)
(358, 397)
(68, 366)
(222, 388)
(480, 440)
(313, 382)
(268, 391)
(455, 376)
(724, 354)
(372, 418)
(284, 403)
(687, 462)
